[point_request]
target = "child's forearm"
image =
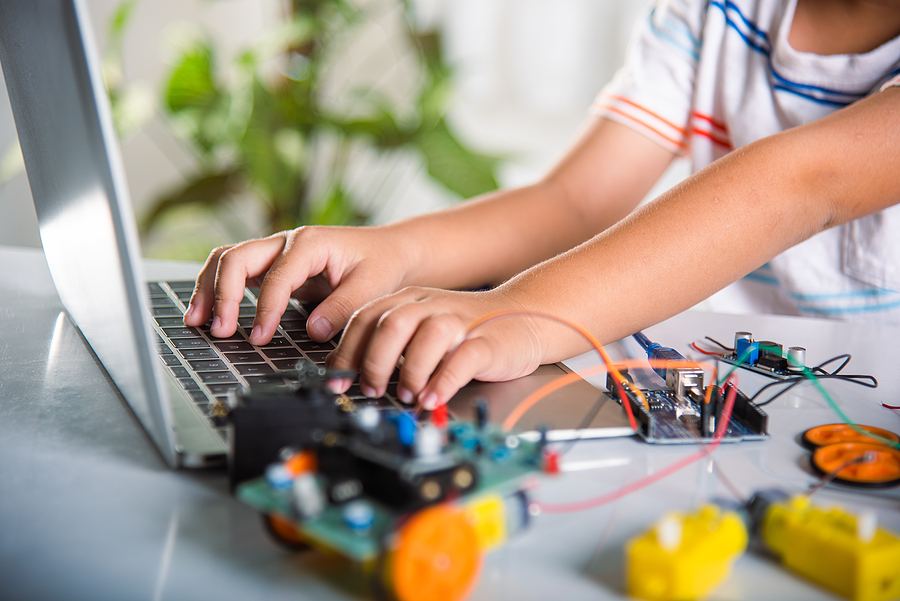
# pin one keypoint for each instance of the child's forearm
(489, 239)
(721, 224)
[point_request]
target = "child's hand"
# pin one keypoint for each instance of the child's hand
(427, 326)
(347, 266)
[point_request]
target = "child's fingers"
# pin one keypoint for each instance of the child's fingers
(200, 306)
(334, 313)
(235, 266)
(458, 370)
(375, 353)
(436, 336)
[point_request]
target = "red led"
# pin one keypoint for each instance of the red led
(439, 417)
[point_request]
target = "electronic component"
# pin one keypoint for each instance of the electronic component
(671, 420)
(679, 374)
(684, 557)
(420, 502)
(766, 357)
(845, 553)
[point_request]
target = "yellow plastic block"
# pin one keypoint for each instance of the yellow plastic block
(487, 514)
(825, 546)
(684, 557)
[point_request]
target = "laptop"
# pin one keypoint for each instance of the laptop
(170, 376)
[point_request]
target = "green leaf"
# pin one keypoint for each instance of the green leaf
(458, 168)
(336, 207)
(121, 16)
(262, 151)
(191, 83)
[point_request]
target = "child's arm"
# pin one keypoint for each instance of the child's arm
(710, 230)
(482, 241)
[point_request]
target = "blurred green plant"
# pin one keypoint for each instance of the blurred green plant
(259, 129)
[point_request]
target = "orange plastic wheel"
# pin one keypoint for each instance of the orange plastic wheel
(835, 433)
(284, 532)
(882, 468)
(436, 556)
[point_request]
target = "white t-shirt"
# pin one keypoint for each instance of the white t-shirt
(703, 77)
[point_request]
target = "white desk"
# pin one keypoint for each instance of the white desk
(88, 510)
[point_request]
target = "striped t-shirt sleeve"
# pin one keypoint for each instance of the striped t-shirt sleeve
(652, 92)
(893, 82)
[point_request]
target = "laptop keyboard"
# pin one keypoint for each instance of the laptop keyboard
(208, 368)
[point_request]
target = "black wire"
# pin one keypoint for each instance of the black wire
(716, 342)
(595, 409)
(846, 357)
(826, 479)
(642, 340)
(791, 382)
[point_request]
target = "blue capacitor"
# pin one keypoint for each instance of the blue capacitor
(501, 454)
(751, 349)
(359, 516)
(406, 429)
(278, 477)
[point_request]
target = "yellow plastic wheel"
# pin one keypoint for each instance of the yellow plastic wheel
(436, 556)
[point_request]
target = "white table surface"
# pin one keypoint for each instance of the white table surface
(89, 511)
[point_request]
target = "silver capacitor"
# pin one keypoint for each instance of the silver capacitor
(742, 336)
(796, 358)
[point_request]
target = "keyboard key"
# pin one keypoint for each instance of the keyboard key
(233, 346)
(246, 302)
(245, 322)
(161, 301)
(184, 295)
(182, 332)
(190, 343)
(155, 289)
(292, 314)
(179, 371)
(216, 377)
(208, 365)
(281, 353)
(278, 343)
(247, 311)
(270, 380)
(181, 285)
(170, 360)
(254, 369)
(318, 357)
(312, 345)
(285, 364)
(297, 335)
(238, 335)
(199, 396)
(189, 384)
(198, 353)
(166, 312)
(224, 389)
(170, 322)
(244, 357)
(293, 324)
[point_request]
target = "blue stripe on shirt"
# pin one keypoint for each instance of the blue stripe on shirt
(789, 86)
(692, 48)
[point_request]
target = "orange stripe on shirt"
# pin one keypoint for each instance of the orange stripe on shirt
(680, 130)
(676, 143)
(711, 121)
(714, 138)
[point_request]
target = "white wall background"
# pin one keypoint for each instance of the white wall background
(526, 72)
